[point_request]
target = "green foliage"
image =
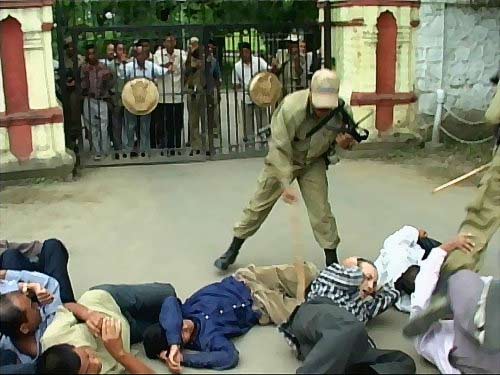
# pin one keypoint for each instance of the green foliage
(148, 12)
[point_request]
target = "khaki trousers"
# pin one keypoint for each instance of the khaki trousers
(314, 188)
(482, 221)
(274, 289)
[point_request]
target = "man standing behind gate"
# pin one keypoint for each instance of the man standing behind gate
(294, 153)
(170, 110)
(244, 70)
(97, 82)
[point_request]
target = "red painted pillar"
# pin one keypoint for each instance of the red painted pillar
(15, 85)
(386, 68)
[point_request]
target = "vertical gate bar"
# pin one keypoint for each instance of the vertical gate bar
(235, 95)
(228, 108)
(327, 36)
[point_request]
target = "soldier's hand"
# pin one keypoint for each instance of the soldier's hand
(346, 141)
(290, 195)
(461, 242)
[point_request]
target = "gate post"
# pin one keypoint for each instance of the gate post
(327, 34)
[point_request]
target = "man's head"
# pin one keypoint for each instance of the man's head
(19, 315)
(211, 47)
(302, 47)
(91, 54)
(142, 56)
(325, 85)
(68, 359)
(110, 51)
(146, 45)
(245, 52)
(120, 49)
(156, 345)
(293, 47)
(170, 42)
(194, 43)
(369, 285)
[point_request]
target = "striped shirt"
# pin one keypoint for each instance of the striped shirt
(341, 285)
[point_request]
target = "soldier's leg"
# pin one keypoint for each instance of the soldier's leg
(482, 221)
(314, 188)
(269, 190)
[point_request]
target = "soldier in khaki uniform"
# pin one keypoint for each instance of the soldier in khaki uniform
(293, 155)
(481, 223)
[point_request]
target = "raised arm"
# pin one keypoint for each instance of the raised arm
(171, 320)
(383, 299)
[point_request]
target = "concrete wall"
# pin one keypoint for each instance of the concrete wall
(457, 50)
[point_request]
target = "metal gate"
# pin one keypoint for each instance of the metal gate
(205, 117)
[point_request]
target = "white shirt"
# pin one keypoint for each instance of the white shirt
(171, 82)
(243, 75)
(400, 251)
(151, 71)
(436, 344)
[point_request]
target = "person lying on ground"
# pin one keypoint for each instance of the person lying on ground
(205, 323)
(328, 332)
(399, 261)
(50, 257)
(28, 304)
(70, 346)
(469, 343)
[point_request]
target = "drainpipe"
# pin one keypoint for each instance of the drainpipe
(437, 119)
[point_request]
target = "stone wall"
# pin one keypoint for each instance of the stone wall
(457, 50)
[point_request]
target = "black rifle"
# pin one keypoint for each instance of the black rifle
(349, 126)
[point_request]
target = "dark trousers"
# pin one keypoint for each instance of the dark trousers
(331, 340)
(116, 120)
(169, 123)
(52, 261)
(140, 304)
(9, 365)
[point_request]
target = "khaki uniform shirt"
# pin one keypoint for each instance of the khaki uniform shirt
(66, 329)
(289, 148)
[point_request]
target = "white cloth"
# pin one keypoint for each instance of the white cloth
(151, 70)
(242, 75)
(400, 251)
(171, 82)
(436, 344)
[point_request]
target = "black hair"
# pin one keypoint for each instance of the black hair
(171, 35)
(363, 260)
(59, 359)
(154, 341)
(212, 41)
(142, 41)
(11, 317)
(244, 45)
(494, 80)
(89, 46)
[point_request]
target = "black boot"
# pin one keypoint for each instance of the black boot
(331, 256)
(229, 257)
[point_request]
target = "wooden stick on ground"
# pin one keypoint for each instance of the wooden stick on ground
(298, 248)
(461, 178)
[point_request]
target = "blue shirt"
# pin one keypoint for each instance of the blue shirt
(220, 311)
(47, 312)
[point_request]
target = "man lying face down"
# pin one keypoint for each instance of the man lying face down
(206, 321)
(328, 330)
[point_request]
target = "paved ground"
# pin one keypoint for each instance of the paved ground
(169, 222)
